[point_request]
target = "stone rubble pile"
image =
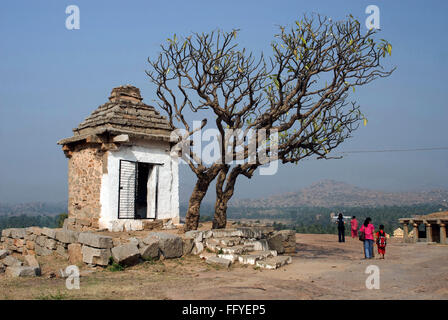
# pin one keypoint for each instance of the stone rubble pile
(14, 267)
(258, 246)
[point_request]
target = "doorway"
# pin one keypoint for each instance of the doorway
(138, 190)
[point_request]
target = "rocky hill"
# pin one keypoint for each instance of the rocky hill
(329, 193)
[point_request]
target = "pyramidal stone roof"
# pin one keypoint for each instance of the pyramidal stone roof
(124, 113)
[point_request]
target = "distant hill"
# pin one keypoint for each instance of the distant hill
(33, 208)
(329, 193)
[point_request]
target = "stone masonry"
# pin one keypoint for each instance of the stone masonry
(84, 181)
(247, 245)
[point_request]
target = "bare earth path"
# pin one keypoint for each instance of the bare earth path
(322, 268)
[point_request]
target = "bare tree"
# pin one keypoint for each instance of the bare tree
(301, 94)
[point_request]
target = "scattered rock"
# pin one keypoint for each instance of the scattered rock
(67, 236)
(3, 253)
(50, 233)
(31, 261)
(18, 233)
(22, 271)
(170, 245)
(219, 261)
(50, 244)
(95, 256)
(274, 262)
(188, 245)
(260, 245)
(126, 254)
(95, 240)
(42, 251)
(150, 250)
(229, 256)
(198, 247)
(74, 251)
(10, 261)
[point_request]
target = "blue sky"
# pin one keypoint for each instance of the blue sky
(52, 78)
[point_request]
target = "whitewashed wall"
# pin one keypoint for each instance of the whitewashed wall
(168, 191)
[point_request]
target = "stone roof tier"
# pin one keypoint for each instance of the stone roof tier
(124, 113)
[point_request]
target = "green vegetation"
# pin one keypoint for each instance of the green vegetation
(61, 218)
(113, 266)
(56, 296)
(23, 221)
(317, 219)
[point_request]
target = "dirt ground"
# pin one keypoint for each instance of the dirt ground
(322, 268)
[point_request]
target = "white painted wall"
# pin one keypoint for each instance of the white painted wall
(168, 191)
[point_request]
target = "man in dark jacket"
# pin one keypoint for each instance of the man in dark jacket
(341, 228)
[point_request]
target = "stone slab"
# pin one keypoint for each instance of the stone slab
(126, 254)
(95, 240)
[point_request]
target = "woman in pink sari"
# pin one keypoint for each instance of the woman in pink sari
(354, 227)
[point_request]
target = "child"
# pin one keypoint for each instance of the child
(381, 242)
(354, 227)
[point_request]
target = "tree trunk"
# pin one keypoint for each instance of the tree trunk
(223, 197)
(192, 216)
(220, 217)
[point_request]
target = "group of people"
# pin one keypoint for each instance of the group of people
(366, 234)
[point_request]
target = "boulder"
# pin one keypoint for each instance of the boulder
(229, 256)
(3, 253)
(18, 233)
(258, 245)
(30, 237)
(23, 271)
(283, 241)
(138, 242)
(41, 241)
(275, 242)
(50, 244)
(274, 262)
(62, 251)
(229, 242)
(256, 256)
(126, 254)
(31, 261)
(42, 251)
(19, 242)
(219, 261)
(226, 233)
(150, 250)
(74, 251)
(196, 235)
(95, 240)
(187, 246)
(288, 240)
(33, 231)
(197, 248)
(95, 256)
(10, 261)
(30, 244)
(170, 245)
(50, 233)
(67, 236)
(6, 233)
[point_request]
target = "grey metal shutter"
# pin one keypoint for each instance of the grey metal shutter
(126, 190)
